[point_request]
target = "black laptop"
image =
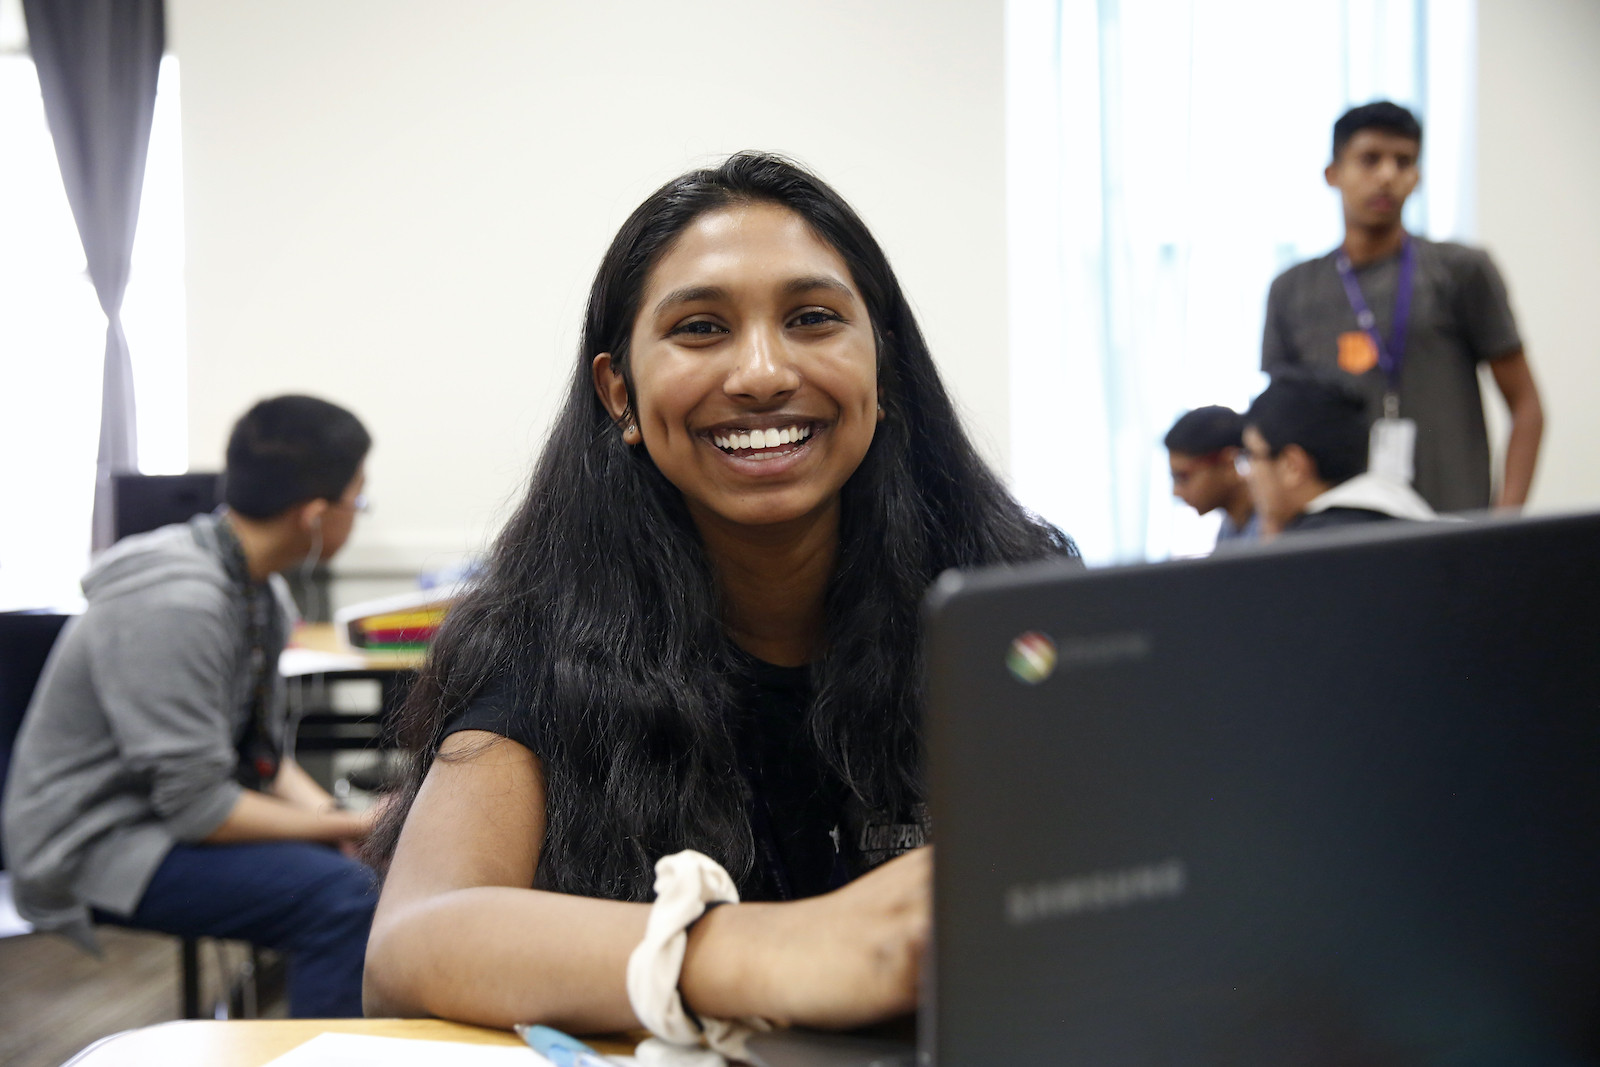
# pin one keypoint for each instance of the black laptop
(1327, 802)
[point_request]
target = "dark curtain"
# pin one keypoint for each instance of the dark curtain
(98, 61)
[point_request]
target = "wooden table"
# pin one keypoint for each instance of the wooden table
(253, 1042)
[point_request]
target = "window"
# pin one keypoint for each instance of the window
(1164, 164)
(52, 336)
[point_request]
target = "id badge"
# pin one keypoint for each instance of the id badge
(1392, 448)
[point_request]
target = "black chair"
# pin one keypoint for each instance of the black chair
(25, 643)
(143, 502)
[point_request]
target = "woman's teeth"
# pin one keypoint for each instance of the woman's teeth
(754, 439)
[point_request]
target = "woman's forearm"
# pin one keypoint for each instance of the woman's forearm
(498, 956)
(456, 935)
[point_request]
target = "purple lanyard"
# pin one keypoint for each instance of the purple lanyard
(1391, 356)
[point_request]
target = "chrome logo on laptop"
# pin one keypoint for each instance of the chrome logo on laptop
(1032, 657)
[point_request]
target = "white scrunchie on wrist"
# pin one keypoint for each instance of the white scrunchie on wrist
(685, 883)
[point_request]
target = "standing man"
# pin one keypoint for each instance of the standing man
(1203, 452)
(149, 785)
(1409, 320)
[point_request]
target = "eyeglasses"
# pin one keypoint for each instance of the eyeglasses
(1242, 461)
(361, 503)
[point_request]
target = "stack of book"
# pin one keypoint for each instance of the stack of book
(402, 624)
(398, 631)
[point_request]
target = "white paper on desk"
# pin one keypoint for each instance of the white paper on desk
(365, 1050)
(295, 662)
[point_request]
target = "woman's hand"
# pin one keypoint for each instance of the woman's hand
(841, 960)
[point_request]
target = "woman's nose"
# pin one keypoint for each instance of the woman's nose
(762, 369)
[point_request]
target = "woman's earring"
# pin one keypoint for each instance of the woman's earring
(630, 434)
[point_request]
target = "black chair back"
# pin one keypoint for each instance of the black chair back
(25, 643)
(142, 502)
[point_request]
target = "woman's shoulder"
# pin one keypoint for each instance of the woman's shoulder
(496, 707)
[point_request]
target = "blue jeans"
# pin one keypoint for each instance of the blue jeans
(304, 900)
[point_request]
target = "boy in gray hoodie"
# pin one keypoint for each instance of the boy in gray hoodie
(148, 785)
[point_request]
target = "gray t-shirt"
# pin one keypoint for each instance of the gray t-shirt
(1460, 317)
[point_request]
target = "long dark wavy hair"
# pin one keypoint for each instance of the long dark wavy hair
(599, 619)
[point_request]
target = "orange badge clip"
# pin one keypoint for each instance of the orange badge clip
(1357, 353)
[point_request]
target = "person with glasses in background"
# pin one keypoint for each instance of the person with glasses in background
(150, 785)
(1305, 459)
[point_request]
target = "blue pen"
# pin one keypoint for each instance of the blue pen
(560, 1049)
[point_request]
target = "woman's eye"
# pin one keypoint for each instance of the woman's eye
(814, 317)
(697, 328)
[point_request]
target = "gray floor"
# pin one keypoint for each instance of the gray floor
(55, 998)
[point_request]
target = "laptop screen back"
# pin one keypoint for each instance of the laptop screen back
(1329, 803)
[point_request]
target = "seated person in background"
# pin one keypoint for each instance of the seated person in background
(1203, 451)
(148, 786)
(699, 631)
(1305, 440)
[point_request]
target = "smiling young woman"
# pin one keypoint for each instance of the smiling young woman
(699, 631)
(752, 325)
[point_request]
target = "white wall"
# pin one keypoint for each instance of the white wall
(1538, 158)
(399, 204)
